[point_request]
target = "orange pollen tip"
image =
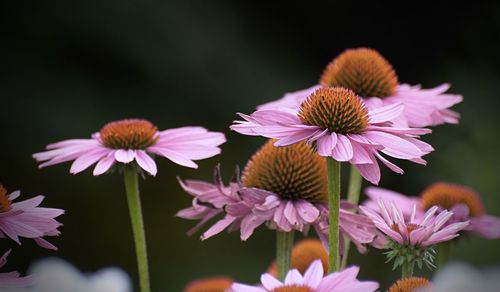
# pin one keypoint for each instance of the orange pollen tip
(362, 70)
(304, 253)
(448, 195)
(5, 203)
(410, 284)
(129, 134)
(337, 109)
(293, 288)
(293, 172)
(213, 284)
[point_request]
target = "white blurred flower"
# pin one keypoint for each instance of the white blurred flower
(55, 275)
(460, 277)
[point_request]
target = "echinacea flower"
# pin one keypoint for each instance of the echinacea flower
(464, 202)
(372, 77)
(313, 280)
(412, 238)
(412, 284)
(55, 275)
(26, 219)
(211, 284)
(12, 279)
(284, 188)
(342, 127)
(131, 140)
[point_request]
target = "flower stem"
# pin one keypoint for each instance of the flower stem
(333, 168)
(444, 253)
(134, 206)
(284, 243)
(355, 181)
(407, 269)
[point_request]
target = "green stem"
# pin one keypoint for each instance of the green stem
(407, 270)
(134, 206)
(444, 253)
(284, 243)
(333, 168)
(355, 182)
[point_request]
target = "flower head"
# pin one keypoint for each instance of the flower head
(410, 284)
(12, 279)
(464, 202)
(26, 219)
(313, 280)
(212, 284)
(284, 188)
(372, 77)
(340, 126)
(131, 140)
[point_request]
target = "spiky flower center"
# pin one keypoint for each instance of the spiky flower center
(362, 70)
(293, 288)
(129, 134)
(293, 172)
(337, 109)
(304, 253)
(409, 227)
(448, 195)
(215, 284)
(409, 284)
(5, 203)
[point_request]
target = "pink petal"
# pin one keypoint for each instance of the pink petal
(173, 156)
(343, 150)
(104, 164)
(145, 162)
(326, 143)
(124, 156)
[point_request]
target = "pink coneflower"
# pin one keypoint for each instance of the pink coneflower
(372, 77)
(313, 280)
(412, 238)
(464, 202)
(131, 140)
(12, 279)
(284, 188)
(342, 127)
(26, 219)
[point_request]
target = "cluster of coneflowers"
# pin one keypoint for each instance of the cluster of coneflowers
(358, 114)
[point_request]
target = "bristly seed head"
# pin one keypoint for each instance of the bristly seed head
(293, 288)
(362, 70)
(448, 195)
(410, 284)
(214, 284)
(5, 203)
(337, 109)
(129, 134)
(293, 172)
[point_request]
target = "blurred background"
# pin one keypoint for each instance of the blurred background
(69, 67)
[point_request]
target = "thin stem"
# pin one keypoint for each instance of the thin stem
(355, 182)
(134, 206)
(407, 269)
(284, 243)
(333, 168)
(444, 253)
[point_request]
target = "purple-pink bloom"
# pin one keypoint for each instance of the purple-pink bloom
(464, 202)
(424, 231)
(12, 279)
(245, 209)
(26, 219)
(131, 140)
(313, 280)
(374, 79)
(341, 127)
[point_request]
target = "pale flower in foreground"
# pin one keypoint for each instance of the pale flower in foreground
(55, 275)
(313, 280)
(131, 140)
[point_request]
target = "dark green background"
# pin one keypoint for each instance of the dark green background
(69, 67)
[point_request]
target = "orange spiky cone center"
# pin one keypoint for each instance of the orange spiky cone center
(129, 134)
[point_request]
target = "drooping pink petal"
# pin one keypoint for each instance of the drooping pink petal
(146, 162)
